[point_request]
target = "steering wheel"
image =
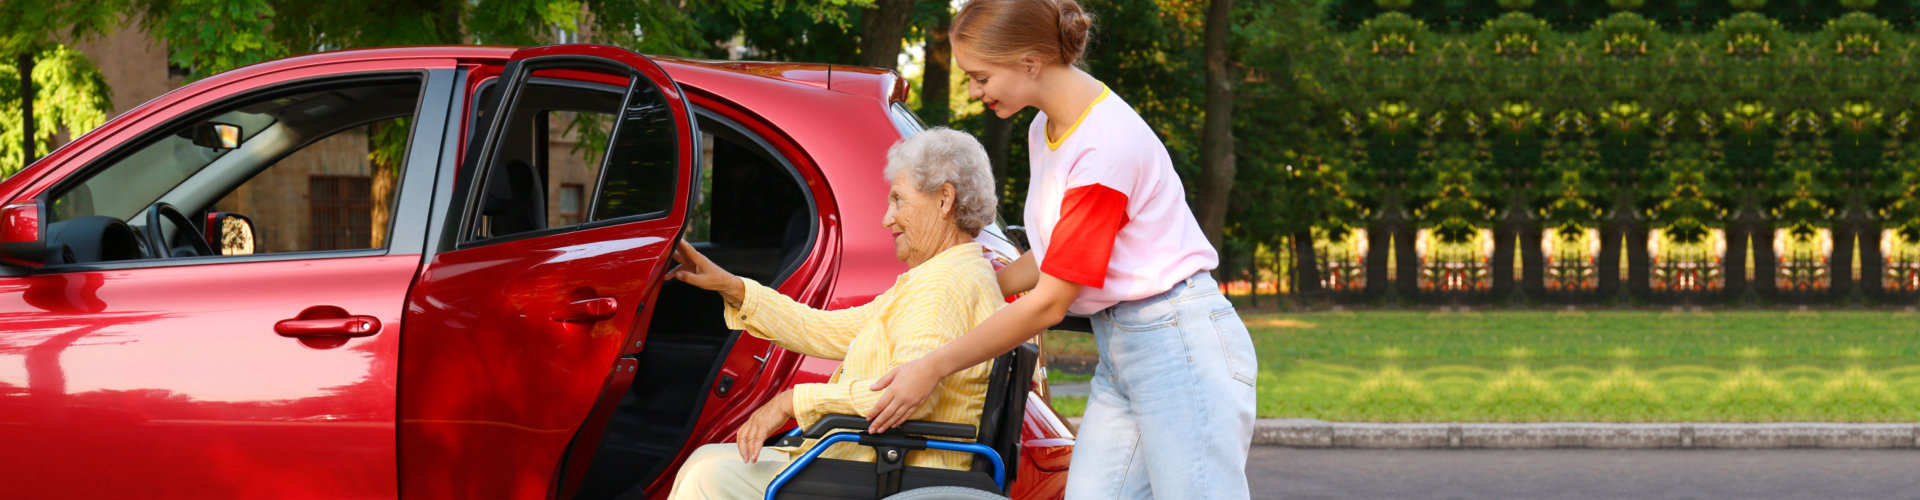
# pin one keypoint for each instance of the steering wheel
(157, 239)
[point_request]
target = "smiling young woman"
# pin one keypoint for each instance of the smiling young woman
(1172, 401)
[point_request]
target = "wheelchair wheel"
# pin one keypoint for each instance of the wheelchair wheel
(944, 493)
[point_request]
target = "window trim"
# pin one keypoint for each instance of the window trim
(437, 86)
(485, 160)
(794, 177)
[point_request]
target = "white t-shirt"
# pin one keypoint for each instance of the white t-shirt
(1106, 210)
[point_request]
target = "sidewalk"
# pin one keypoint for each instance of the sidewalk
(1323, 434)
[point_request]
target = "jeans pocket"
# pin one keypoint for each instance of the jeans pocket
(1143, 315)
(1236, 345)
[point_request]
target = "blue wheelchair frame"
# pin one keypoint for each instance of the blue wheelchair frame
(999, 466)
(999, 428)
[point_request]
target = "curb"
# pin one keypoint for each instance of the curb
(1304, 433)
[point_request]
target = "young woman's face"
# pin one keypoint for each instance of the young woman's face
(1003, 88)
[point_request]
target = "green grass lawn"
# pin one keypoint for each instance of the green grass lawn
(1596, 366)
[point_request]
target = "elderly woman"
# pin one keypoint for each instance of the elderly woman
(942, 196)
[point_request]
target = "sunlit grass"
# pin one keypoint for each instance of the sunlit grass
(1605, 366)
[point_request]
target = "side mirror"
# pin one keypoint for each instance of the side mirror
(23, 235)
(230, 233)
(216, 135)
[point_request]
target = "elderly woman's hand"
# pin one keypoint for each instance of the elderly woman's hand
(769, 418)
(696, 270)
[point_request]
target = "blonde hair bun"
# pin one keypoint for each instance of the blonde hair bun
(1074, 25)
(1004, 31)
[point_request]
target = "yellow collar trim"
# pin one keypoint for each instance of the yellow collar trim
(1055, 144)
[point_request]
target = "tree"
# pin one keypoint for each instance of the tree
(882, 27)
(1378, 74)
(935, 81)
(64, 92)
(1216, 138)
(1748, 182)
(1858, 76)
(1520, 82)
(1627, 43)
(47, 79)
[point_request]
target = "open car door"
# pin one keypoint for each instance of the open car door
(569, 199)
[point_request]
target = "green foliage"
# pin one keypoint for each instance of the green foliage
(211, 36)
(31, 25)
(70, 96)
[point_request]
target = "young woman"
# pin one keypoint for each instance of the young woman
(1172, 404)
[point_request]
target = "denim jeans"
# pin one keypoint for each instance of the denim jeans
(1171, 409)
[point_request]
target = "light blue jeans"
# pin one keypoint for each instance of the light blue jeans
(1171, 409)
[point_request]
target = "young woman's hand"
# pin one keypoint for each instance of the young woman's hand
(908, 386)
(769, 418)
(696, 270)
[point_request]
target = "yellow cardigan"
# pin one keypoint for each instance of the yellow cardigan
(932, 304)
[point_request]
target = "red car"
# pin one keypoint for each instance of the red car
(434, 272)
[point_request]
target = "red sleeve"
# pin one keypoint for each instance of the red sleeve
(1082, 242)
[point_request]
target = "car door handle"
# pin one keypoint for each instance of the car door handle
(587, 311)
(327, 321)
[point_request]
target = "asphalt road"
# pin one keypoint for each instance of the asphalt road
(1297, 473)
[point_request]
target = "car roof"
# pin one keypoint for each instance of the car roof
(877, 83)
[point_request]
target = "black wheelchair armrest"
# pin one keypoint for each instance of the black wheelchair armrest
(830, 423)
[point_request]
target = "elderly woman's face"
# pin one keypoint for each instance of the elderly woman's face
(920, 221)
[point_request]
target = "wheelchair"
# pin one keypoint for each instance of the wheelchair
(996, 449)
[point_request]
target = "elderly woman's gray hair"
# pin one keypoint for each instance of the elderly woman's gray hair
(942, 155)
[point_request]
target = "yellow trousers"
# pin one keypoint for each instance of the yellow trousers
(715, 471)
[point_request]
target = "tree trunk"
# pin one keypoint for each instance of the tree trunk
(882, 27)
(1216, 136)
(1251, 271)
(1502, 259)
(1872, 263)
(25, 66)
(1306, 285)
(1840, 263)
(999, 144)
(935, 84)
(1407, 262)
(1379, 243)
(1733, 263)
(1639, 262)
(1766, 264)
(1607, 264)
(384, 178)
(1533, 261)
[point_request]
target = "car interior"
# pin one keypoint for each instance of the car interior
(754, 218)
(148, 203)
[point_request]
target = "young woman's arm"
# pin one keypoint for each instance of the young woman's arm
(909, 385)
(1019, 276)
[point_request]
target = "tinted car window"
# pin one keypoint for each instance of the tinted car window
(642, 164)
(311, 167)
(554, 142)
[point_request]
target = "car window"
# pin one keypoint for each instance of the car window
(904, 120)
(641, 166)
(753, 215)
(335, 194)
(161, 166)
(308, 167)
(578, 149)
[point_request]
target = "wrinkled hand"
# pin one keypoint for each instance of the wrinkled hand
(694, 269)
(907, 387)
(769, 418)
